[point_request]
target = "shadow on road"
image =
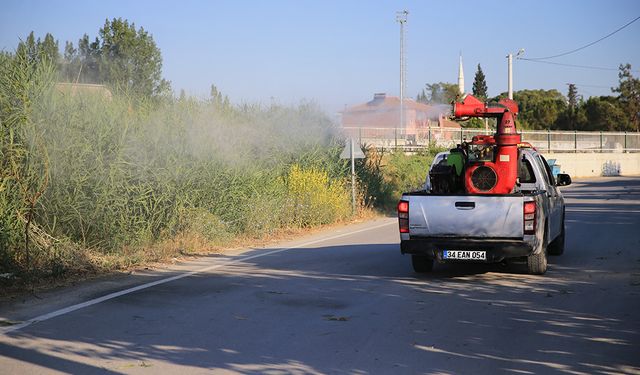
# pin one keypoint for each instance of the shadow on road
(359, 309)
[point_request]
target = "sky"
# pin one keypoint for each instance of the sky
(339, 53)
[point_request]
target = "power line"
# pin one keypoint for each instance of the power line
(595, 86)
(573, 65)
(587, 92)
(585, 46)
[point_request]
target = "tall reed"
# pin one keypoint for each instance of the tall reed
(115, 172)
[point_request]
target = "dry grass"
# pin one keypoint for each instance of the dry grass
(90, 264)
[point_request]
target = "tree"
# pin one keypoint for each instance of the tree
(70, 65)
(218, 99)
(90, 60)
(568, 119)
(480, 84)
(121, 56)
(441, 93)
(81, 64)
(603, 113)
(39, 50)
(539, 109)
(28, 49)
(49, 49)
(422, 97)
(572, 96)
(130, 58)
(629, 98)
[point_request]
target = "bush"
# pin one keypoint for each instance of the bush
(385, 176)
(314, 199)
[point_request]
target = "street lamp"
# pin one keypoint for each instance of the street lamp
(510, 69)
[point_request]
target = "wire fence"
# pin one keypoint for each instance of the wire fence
(545, 141)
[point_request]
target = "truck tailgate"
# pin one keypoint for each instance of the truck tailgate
(466, 216)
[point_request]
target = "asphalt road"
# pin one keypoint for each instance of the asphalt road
(346, 301)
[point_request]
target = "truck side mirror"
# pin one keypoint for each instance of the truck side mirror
(563, 179)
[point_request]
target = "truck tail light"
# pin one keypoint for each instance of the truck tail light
(403, 216)
(529, 217)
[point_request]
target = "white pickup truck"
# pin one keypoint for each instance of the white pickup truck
(527, 223)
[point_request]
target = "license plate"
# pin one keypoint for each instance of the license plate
(464, 255)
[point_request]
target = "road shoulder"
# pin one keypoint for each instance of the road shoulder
(22, 308)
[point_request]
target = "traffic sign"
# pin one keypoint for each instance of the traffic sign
(357, 151)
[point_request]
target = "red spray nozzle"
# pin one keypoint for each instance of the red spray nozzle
(470, 106)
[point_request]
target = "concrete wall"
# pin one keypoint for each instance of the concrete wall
(597, 164)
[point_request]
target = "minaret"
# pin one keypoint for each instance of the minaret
(461, 77)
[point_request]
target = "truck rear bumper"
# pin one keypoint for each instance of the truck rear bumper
(497, 249)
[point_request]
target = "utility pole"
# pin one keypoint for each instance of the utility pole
(510, 71)
(401, 17)
(461, 77)
(353, 179)
(351, 152)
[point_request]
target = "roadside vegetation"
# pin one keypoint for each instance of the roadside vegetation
(99, 180)
(385, 176)
(92, 182)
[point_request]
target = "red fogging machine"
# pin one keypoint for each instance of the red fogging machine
(489, 163)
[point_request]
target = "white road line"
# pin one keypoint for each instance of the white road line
(66, 310)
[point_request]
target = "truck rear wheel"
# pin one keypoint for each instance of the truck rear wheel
(537, 263)
(421, 264)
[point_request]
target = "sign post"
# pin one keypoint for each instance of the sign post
(350, 152)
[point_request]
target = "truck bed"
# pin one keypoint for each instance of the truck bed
(465, 216)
